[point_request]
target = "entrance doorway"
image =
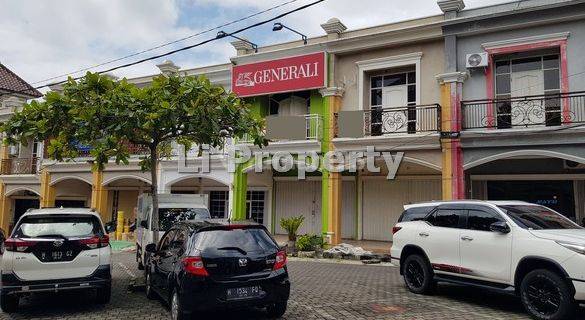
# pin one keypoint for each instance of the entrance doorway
(23, 205)
(557, 195)
(70, 203)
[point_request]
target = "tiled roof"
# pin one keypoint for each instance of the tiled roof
(12, 83)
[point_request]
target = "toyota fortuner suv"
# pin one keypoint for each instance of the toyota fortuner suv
(513, 247)
(53, 250)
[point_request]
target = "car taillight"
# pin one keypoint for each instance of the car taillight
(96, 242)
(194, 266)
(13, 244)
(395, 229)
(280, 261)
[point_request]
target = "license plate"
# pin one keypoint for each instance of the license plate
(243, 293)
(50, 256)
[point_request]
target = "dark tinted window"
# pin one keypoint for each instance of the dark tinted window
(247, 240)
(481, 220)
(414, 214)
(169, 216)
(538, 217)
(448, 218)
(60, 226)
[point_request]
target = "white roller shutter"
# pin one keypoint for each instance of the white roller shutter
(294, 198)
(383, 202)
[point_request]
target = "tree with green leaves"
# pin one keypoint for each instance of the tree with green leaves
(106, 115)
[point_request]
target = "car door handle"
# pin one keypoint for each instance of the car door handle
(466, 238)
(423, 234)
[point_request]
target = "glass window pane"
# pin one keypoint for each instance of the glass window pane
(412, 93)
(376, 97)
(502, 67)
(503, 84)
(412, 77)
(481, 220)
(551, 62)
(527, 64)
(376, 82)
(551, 79)
(445, 218)
(395, 79)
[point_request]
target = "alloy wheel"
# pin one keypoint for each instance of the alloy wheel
(544, 296)
(414, 274)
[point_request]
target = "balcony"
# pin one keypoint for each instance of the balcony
(309, 125)
(389, 121)
(12, 166)
(524, 112)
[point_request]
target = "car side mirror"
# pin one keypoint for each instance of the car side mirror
(500, 227)
(110, 228)
(150, 248)
(144, 224)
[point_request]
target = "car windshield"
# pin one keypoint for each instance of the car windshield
(169, 216)
(246, 240)
(59, 226)
(537, 217)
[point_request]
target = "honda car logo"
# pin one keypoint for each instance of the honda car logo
(58, 243)
(243, 262)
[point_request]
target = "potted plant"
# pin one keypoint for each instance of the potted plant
(292, 225)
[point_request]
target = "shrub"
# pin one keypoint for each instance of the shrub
(309, 242)
(292, 225)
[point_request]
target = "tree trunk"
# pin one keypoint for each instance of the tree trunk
(154, 193)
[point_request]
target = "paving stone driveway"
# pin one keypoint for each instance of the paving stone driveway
(320, 291)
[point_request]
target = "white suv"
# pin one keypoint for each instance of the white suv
(514, 247)
(53, 250)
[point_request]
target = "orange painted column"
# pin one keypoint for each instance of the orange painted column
(453, 177)
(47, 190)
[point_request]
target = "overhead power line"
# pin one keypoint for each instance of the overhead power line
(168, 43)
(185, 48)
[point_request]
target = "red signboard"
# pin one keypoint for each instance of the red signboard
(282, 75)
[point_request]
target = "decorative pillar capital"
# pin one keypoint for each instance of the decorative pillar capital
(451, 77)
(168, 67)
(451, 5)
(332, 91)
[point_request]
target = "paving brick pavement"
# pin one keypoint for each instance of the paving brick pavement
(319, 291)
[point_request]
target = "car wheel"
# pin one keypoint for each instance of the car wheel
(176, 307)
(148, 287)
(418, 275)
(139, 260)
(103, 295)
(9, 303)
(546, 295)
(276, 310)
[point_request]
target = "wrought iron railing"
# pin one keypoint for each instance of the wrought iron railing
(19, 166)
(379, 121)
(522, 112)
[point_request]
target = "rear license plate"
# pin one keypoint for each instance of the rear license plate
(55, 256)
(243, 293)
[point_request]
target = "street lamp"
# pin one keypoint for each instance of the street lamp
(279, 26)
(222, 34)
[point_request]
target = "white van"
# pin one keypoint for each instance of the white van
(172, 208)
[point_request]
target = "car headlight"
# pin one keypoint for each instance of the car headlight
(579, 248)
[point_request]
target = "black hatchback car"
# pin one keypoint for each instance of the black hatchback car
(209, 264)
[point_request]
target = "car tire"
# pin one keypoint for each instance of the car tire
(177, 312)
(276, 310)
(547, 296)
(150, 294)
(9, 303)
(139, 260)
(418, 275)
(103, 295)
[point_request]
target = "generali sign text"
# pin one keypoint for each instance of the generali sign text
(282, 75)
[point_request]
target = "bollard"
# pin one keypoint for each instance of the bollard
(119, 225)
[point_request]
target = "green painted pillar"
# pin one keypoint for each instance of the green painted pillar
(240, 194)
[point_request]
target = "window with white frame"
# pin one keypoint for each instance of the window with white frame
(218, 203)
(255, 206)
(391, 94)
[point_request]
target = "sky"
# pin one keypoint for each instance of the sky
(44, 39)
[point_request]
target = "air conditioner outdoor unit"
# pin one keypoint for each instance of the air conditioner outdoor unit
(572, 165)
(476, 60)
